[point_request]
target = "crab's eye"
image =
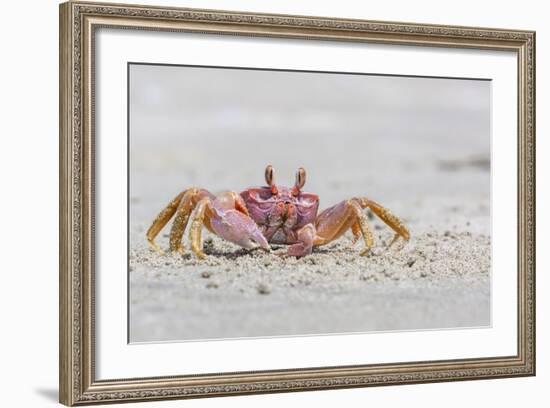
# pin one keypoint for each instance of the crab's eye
(300, 178)
(269, 179)
(269, 175)
(300, 181)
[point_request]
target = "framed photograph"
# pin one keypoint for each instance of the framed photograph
(255, 203)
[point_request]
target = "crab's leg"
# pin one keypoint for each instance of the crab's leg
(195, 232)
(181, 205)
(189, 201)
(385, 215)
(333, 222)
(363, 227)
(161, 219)
(304, 245)
(356, 231)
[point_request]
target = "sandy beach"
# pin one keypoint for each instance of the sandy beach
(431, 168)
(436, 281)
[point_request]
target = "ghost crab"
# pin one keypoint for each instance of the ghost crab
(273, 214)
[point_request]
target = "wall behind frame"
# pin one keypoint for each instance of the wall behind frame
(28, 216)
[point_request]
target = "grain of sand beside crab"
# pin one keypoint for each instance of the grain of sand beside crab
(271, 214)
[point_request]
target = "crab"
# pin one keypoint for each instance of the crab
(271, 214)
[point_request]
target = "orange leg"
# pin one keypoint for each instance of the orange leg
(180, 222)
(195, 232)
(181, 205)
(333, 222)
(385, 215)
(161, 219)
(356, 231)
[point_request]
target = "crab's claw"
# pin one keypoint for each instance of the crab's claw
(236, 227)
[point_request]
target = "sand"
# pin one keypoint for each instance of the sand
(419, 147)
(439, 279)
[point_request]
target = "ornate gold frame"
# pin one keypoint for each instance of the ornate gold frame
(78, 20)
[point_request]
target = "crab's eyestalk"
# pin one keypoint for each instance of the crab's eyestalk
(300, 181)
(269, 179)
(269, 174)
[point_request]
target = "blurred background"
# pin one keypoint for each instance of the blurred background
(399, 140)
